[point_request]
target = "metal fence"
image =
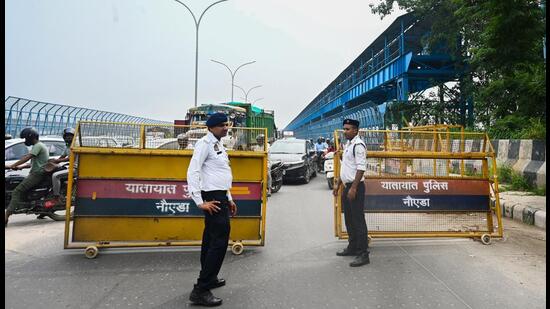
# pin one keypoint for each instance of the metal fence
(51, 119)
(132, 188)
(157, 136)
(427, 183)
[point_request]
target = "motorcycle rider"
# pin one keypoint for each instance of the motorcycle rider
(320, 148)
(260, 140)
(38, 155)
(183, 141)
(331, 147)
(68, 135)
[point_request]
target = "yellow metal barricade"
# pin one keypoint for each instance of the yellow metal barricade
(434, 181)
(131, 189)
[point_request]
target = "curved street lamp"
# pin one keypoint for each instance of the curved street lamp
(232, 73)
(197, 24)
(247, 92)
(257, 100)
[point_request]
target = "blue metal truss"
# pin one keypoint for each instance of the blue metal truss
(394, 66)
(51, 119)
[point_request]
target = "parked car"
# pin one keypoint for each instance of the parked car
(15, 149)
(163, 143)
(298, 157)
(126, 141)
(98, 141)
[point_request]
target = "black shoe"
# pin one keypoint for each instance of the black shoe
(360, 260)
(347, 252)
(218, 283)
(204, 299)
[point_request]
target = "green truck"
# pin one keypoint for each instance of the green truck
(240, 115)
(257, 117)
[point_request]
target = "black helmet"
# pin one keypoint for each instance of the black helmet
(29, 134)
(68, 131)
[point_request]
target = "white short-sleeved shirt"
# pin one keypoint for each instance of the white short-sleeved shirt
(352, 163)
(209, 169)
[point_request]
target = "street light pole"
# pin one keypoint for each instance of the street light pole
(232, 73)
(247, 92)
(257, 100)
(197, 24)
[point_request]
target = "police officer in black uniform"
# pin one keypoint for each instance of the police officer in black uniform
(209, 178)
(354, 165)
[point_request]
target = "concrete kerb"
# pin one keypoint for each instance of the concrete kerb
(540, 219)
(524, 214)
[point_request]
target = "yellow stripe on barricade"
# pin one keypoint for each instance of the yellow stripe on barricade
(159, 166)
(239, 191)
(92, 229)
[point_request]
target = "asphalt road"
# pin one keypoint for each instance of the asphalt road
(297, 268)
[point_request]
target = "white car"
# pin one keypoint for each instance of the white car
(98, 141)
(15, 149)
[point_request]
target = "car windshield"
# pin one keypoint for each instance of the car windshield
(287, 147)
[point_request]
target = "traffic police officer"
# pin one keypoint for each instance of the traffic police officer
(354, 164)
(209, 179)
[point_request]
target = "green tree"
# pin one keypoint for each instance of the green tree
(498, 44)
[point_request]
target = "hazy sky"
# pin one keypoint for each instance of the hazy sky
(138, 56)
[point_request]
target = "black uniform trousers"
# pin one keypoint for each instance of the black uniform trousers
(354, 216)
(215, 239)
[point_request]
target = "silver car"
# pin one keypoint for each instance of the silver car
(15, 149)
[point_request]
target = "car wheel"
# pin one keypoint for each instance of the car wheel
(330, 182)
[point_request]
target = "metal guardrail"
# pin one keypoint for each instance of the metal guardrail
(159, 136)
(51, 119)
(136, 194)
(408, 169)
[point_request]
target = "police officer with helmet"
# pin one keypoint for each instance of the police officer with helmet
(39, 156)
(354, 165)
(209, 178)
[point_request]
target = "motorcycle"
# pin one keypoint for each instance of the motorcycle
(40, 199)
(329, 169)
(277, 171)
(321, 162)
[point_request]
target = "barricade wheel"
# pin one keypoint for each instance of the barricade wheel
(237, 248)
(91, 252)
(486, 239)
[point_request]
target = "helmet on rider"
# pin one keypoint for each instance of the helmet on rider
(183, 140)
(29, 134)
(68, 134)
(260, 138)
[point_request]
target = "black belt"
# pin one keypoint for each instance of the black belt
(215, 192)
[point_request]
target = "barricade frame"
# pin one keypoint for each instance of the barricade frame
(93, 246)
(486, 155)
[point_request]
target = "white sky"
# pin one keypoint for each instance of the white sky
(138, 56)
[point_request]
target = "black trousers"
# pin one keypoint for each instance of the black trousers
(215, 239)
(355, 219)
